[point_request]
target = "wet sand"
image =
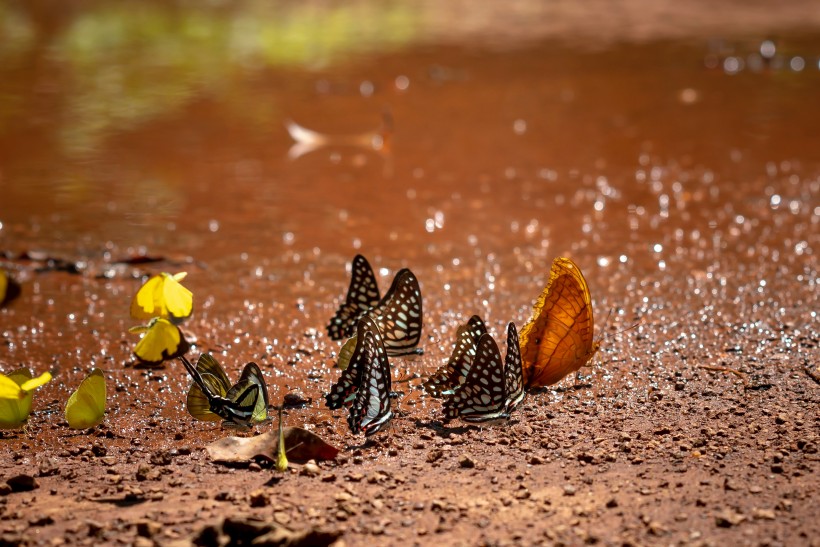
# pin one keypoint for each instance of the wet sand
(680, 173)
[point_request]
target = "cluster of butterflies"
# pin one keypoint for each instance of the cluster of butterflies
(165, 303)
(475, 384)
(84, 409)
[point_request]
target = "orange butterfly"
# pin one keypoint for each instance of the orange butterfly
(557, 340)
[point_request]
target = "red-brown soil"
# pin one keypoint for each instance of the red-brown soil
(685, 188)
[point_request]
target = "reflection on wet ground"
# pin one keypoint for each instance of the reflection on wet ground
(680, 172)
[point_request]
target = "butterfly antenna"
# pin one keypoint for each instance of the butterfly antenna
(195, 376)
(638, 323)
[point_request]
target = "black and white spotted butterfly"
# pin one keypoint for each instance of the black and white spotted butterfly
(362, 294)
(513, 371)
(493, 388)
(398, 316)
(365, 385)
(454, 371)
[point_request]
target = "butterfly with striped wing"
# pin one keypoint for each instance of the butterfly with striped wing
(493, 388)
(370, 411)
(211, 397)
(454, 371)
(398, 316)
(364, 385)
(362, 294)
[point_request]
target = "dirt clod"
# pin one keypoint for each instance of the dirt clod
(22, 483)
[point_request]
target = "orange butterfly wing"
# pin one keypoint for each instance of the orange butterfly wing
(558, 339)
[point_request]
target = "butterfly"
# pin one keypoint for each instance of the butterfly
(398, 316)
(163, 296)
(365, 385)
(493, 388)
(86, 406)
(362, 294)
(162, 340)
(558, 339)
(211, 398)
(9, 289)
(16, 394)
(513, 371)
(454, 372)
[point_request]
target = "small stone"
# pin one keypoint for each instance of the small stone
(161, 457)
(146, 472)
(522, 494)
(763, 514)
(148, 528)
(728, 518)
(22, 483)
(434, 455)
(328, 477)
(656, 528)
(466, 462)
(143, 542)
(310, 469)
(259, 498)
(754, 489)
(777, 468)
(612, 503)
(729, 484)
(41, 521)
(569, 490)
(293, 399)
(536, 460)
(781, 419)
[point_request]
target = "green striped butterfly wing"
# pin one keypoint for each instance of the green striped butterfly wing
(252, 373)
(362, 294)
(239, 405)
(208, 376)
(454, 371)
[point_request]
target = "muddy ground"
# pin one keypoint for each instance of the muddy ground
(678, 168)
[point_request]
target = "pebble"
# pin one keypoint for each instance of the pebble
(148, 528)
(310, 469)
(569, 490)
(466, 462)
(729, 484)
(434, 455)
(259, 498)
(763, 514)
(728, 518)
(22, 483)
